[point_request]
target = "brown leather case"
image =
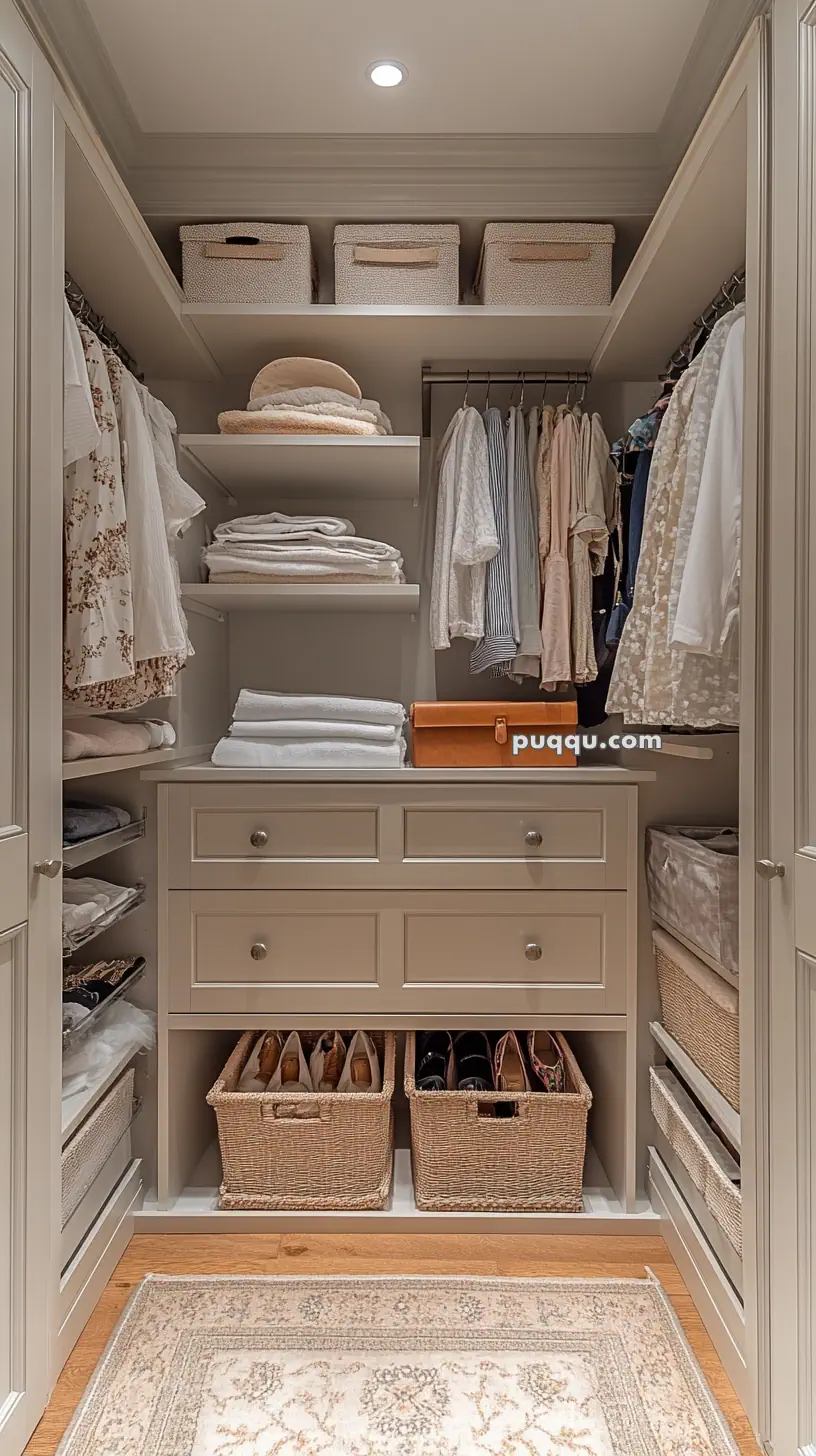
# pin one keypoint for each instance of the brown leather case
(480, 734)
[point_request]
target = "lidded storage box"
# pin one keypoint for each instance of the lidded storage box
(396, 263)
(247, 262)
(701, 1011)
(567, 263)
(304, 1150)
(693, 877)
(465, 1156)
(492, 735)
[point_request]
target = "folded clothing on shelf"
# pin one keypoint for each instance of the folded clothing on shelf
(103, 737)
(307, 753)
(305, 396)
(84, 988)
(89, 904)
(298, 548)
(283, 730)
(81, 820)
(253, 706)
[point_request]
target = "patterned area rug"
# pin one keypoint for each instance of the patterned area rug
(418, 1367)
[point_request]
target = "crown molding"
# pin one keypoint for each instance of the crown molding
(70, 40)
(397, 176)
(723, 29)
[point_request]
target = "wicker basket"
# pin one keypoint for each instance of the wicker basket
(321, 1150)
(464, 1157)
(713, 1171)
(247, 262)
(89, 1149)
(701, 1011)
(694, 889)
(556, 263)
(397, 263)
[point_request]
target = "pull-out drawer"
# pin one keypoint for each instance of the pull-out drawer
(381, 952)
(412, 836)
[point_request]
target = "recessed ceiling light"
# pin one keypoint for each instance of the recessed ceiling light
(386, 73)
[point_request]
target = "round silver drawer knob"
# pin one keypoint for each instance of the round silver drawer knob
(258, 838)
(258, 951)
(532, 951)
(533, 838)
(50, 868)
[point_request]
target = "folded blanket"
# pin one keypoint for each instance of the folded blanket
(220, 567)
(162, 733)
(309, 753)
(323, 576)
(275, 525)
(316, 397)
(311, 547)
(253, 706)
(290, 422)
(85, 821)
(306, 728)
(98, 737)
(88, 904)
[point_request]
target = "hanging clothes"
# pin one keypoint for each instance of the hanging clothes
(466, 537)
(543, 483)
(499, 642)
(180, 503)
(588, 541)
(556, 665)
(527, 662)
(98, 632)
(80, 432)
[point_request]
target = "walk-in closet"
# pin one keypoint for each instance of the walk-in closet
(576, 991)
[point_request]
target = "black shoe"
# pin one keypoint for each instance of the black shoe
(434, 1053)
(473, 1062)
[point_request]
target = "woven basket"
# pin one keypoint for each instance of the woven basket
(713, 1171)
(396, 263)
(701, 1011)
(555, 263)
(464, 1157)
(694, 889)
(92, 1144)
(321, 1150)
(247, 262)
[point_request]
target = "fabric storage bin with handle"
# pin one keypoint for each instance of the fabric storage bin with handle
(247, 262)
(713, 1171)
(396, 263)
(701, 1011)
(467, 1157)
(556, 263)
(693, 877)
(492, 735)
(329, 1150)
(92, 1144)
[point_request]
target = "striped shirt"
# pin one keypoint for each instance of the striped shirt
(499, 643)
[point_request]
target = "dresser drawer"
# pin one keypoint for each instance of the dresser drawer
(342, 956)
(413, 836)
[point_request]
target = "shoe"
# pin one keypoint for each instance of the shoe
(510, 1069)
(292, 1072)
(546, 1060)
(361, 1072)
(473, 1070)
(326, 1061)
(434, 1061)
(261, 1064)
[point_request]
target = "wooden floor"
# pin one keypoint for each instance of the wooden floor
(560, 1257)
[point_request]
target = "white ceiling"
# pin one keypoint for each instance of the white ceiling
(556, 66)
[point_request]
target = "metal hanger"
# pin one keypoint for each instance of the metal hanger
(487, 393)
(467, 387)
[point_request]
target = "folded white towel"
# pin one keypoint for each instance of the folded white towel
(308, 546)
(314, 398)
(275, 524)
(296, 728)
(99, 737)
(307, 753)
(257, 707)
(358, 567)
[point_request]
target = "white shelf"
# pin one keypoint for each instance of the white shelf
(371, 341)
(376, 597)
(383, 467)
(83, 768)
(206, 772)
(76, 1108)
(196, 1211)
(717, 1106)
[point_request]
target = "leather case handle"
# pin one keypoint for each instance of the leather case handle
(500, 730)
(549, 253)
(397, 257)
(249, 248)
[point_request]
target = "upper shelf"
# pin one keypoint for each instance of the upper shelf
(368, 339)
(376, 597)
(696, 240)
(310, 465)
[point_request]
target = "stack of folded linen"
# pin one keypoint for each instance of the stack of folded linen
(305, 397)
(282, 730)
(91, 905)
(281, 548)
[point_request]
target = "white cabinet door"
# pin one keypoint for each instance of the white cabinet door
(30, 571)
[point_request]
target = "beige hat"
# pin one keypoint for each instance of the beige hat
(303, 374)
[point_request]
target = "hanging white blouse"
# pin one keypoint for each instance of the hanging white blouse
(708, 605)
(80, 432)
(466, 537)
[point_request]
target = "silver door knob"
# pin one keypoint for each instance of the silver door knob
(533, 838)
(48, 867)
(532, 951)
(770, 870)
(258, 951)
(258, 838)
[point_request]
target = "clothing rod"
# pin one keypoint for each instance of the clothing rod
(727, 297)
(490, 376)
